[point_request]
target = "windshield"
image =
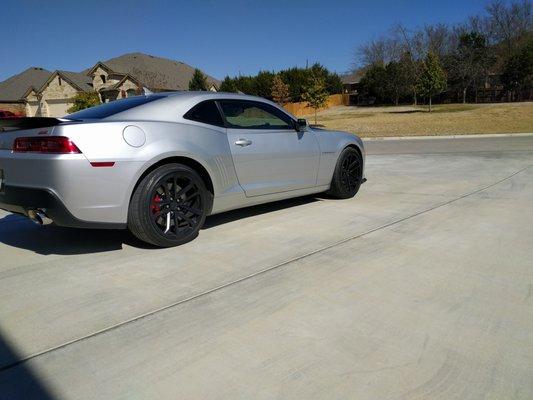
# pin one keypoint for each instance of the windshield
(113, 107)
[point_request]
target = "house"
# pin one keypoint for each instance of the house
(136, 73)
(350, 87)
(54, 96)
(13, 89)
(38, 92)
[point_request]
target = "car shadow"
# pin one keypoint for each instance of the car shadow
(18, 231)
(252, 211)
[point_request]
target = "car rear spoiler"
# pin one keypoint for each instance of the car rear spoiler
(29, 122)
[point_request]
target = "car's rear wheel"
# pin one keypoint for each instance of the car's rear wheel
(348, 174)
(168, 207)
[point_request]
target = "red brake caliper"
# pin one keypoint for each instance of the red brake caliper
(155, 207)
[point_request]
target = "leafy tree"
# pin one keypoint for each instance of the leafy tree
(470, 61)
(374, 82)
(432, 79)
(246, 84)
(332, 81)
(263, 84)
(518, 70)
(398, 79)
(228, 85)
(198, 81)
(84, 100)
(488, 42)
(297, 79)
(315, 93)
(280, 91)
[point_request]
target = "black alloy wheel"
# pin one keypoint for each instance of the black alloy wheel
(348, 174)
(351, 171)
(176, 205)
(168, 208)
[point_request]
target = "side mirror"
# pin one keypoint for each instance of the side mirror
(300, 125)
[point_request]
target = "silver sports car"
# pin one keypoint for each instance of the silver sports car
(159, 164)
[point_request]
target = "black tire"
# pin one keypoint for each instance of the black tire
(169, 206)
(348, 174)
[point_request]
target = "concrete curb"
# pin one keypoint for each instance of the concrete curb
(490, 135)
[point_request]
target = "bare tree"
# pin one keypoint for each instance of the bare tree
(372, 53)
(413, 51)
(509, 23)
(438, 39)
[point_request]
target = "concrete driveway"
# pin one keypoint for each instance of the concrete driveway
(421, 287)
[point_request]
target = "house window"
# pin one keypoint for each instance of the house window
(131, 92)
(59, 79)
(102, 77)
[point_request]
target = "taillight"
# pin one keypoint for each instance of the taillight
(45, 144)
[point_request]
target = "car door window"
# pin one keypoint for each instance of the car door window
(241, 114)
(206, 112)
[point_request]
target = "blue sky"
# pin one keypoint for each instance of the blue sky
(220, 37)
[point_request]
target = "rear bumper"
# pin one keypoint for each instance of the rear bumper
(20, 199)
(92, 197)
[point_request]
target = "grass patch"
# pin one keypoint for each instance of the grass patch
(445, 119)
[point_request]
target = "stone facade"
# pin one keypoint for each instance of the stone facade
(53, 100)
(112, 86)
(16, 108)
(103, 79)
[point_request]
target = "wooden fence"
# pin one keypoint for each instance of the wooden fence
(301, 108)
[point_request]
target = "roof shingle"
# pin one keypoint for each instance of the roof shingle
(81, 80)
(13, 88)
(155, 72)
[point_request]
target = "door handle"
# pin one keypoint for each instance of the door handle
(243, 142)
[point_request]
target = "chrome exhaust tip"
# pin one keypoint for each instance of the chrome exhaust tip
(39, 217)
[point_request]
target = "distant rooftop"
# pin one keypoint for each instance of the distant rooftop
(351, 78)
(13, 88)
(155, 72)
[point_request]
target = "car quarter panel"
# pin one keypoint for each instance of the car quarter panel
(331, 145)
(205, 144)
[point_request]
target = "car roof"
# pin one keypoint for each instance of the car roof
(211, 95)
(173, 104)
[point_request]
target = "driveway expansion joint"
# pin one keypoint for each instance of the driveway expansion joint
(255, 274)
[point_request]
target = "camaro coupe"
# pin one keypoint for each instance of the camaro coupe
(159, 164)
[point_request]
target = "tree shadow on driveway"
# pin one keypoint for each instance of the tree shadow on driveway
(18, 380)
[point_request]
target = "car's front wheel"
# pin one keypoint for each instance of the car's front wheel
(168, 207)
(348, 174)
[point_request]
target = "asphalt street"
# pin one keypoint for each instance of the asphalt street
(420, 287)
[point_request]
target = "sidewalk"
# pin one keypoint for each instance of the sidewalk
(457, 136)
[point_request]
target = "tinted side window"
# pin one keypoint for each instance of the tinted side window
(254, 115)
(206, 112)
(114, 107)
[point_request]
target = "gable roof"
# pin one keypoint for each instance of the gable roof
(15, 87)
(155, 73)
(352, 78)
(119, 83)
(78, 79)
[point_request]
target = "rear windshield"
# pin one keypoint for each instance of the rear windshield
(113, 107)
